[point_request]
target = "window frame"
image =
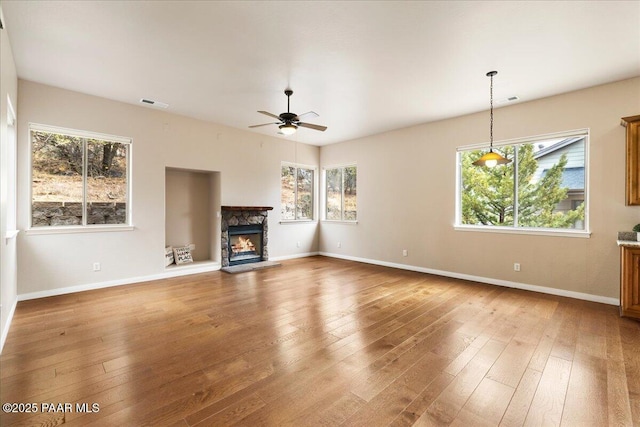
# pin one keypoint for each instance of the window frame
(540, 231)
(11, 185)
(84, 227)
(314, 192)
(342, 167)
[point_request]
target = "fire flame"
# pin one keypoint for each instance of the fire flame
(243, 245)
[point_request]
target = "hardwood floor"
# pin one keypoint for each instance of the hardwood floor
(321, 342)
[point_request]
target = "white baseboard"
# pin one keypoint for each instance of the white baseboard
(195, 268)
(5, 331)
(490, 281)
(171, 271)
(285, 257)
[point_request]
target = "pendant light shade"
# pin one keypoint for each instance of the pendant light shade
(491, 158)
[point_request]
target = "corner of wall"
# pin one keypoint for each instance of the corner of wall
(5, 328)
(8, 259)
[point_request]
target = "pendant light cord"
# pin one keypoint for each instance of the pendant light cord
(491, 120)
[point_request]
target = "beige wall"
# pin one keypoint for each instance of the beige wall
(406, 196)
(8, 269)
(49, 262)
(408, 173)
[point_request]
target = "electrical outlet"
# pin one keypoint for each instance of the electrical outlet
(96, 266)
(405, 252)
(339, 244)
(192, 246)
(297, 244)
(516, 266)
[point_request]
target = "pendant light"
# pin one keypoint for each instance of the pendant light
(491, 159)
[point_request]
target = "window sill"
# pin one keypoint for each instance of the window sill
(298, 221)
(73, 230)
(530, 231)
(10, 234)
(335, 221)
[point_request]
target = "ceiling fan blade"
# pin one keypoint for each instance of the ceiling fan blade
(308, 115)
(312, 126)
(269, 114)
(264, 124)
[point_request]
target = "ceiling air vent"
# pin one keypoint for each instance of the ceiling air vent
(505, 100)
(154, 103)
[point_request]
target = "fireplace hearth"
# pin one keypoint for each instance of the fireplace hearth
(244, 234)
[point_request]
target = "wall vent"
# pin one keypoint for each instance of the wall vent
(154, 103)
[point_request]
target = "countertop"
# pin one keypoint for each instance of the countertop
(628, 243)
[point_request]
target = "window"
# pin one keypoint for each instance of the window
(341, 193)
(543, 188)
(78, 178)
(297, 193)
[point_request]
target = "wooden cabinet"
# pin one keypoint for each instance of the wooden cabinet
(633, 159)
(630, 281)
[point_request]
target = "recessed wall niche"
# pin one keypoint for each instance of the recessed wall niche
(192, 203)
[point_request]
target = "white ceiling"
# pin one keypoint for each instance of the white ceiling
(365, 67)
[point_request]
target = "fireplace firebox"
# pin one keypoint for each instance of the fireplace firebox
(245, 244)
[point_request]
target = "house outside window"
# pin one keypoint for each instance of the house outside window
(297, 192)
(78, 179)
(543, 189)
(341, 193)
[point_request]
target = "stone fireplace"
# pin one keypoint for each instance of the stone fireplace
(244, 234)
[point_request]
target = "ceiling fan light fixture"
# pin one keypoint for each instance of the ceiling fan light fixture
(288, 129)
(289, 122)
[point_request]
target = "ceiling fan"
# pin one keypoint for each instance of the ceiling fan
(289, 122)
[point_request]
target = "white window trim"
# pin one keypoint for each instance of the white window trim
(555, 232)
(11, 185)
(78, 133)
(520, 140)
(315, 194)
(73, 229)
(339, 221)
(324, 194)
(297, 221)
(85, 228)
